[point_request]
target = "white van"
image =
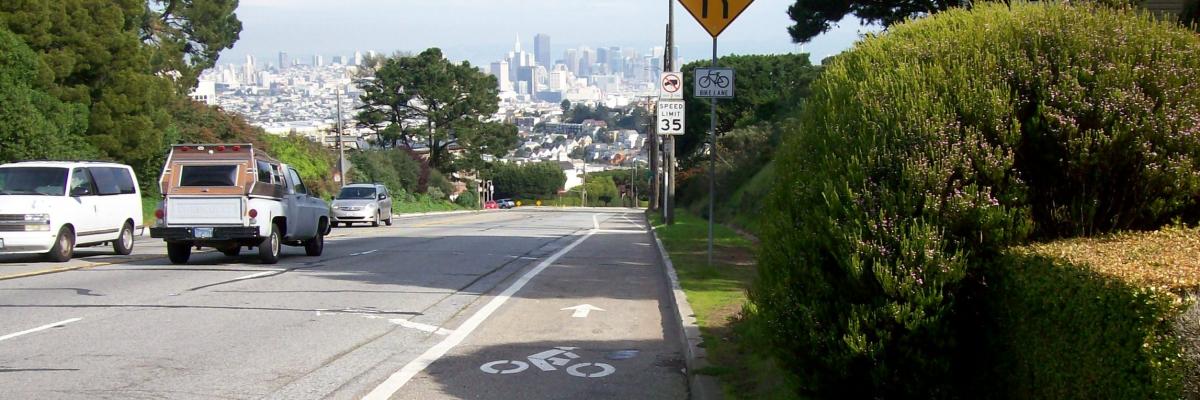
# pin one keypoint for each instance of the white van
(51, 207)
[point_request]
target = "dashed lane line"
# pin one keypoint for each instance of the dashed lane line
(39, 329)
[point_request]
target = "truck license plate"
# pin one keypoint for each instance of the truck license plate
(203, 233)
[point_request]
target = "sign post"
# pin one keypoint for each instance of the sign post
(714, 83)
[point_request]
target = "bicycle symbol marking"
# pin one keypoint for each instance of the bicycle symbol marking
(550, 360)
(714, 77)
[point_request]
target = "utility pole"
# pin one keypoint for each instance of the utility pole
(337, 92)
(669, 150)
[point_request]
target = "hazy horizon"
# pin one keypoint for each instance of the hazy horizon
(482, 33)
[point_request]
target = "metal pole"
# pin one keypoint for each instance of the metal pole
(712, 163)
(341, 147)
(669, 146)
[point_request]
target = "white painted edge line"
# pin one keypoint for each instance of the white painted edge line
(595, 222)
(397, 380)
(421, 327)
(38, 329)
(364, 253)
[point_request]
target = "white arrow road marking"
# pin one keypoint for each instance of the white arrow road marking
(38, 329)
(582, 310)
(421, 327)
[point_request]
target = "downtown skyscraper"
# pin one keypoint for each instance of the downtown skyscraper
(541, 50)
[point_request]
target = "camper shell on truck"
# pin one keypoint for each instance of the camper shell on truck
(230, 196)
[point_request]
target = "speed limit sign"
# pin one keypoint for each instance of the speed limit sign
(670, 117)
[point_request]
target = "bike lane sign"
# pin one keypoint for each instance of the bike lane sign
(714, 83)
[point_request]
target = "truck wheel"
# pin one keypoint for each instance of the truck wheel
(315, 246)
(124, 243)
(64, 245)
(179, 252)
(268, 250)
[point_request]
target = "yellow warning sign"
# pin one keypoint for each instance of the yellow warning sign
(715, 15)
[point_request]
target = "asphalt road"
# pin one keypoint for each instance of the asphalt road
(515, 304)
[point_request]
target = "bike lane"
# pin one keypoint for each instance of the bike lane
(595, 324)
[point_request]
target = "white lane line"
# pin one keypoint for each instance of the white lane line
(397, 381)
(633, 222)
(364, 253)
(38, 329)
(421, 327)
(619, 231)
(252, 276)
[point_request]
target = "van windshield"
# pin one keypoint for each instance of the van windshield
(45, 181)
(208, 175)
(356, 193)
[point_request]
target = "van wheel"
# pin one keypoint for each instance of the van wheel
(378, 216)
(124, 243)
(64, 245)
(179, 252)
(315, 246)
(388, 221)
(268, 250)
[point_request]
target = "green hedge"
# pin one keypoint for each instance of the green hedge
(1060, 330)
(927, 150)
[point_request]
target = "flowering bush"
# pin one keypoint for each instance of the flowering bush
(940, 143)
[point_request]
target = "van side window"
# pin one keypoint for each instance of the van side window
(264, 171)
(82, 180)
(297, 184)
(112, 181)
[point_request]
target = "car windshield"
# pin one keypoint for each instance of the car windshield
(356, 193)
(209, 175)
(45, 181)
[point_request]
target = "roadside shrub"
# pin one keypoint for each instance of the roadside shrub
(940, 143)
(310, 159)
(528, 181)
(440, 188)
(468, 199)
(396, 169)
(1063, 330)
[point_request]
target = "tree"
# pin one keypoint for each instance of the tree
(34, 124)
(769, 88)
(478, 139)
(448, 99)
(103, 65)
(189, 35)
(528, 181)
(566, 108)
(814, 17)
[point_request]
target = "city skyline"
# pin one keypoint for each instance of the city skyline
(481, 33)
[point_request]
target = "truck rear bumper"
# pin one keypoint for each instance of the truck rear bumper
(218, 233)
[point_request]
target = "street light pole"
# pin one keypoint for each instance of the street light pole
(341, 146)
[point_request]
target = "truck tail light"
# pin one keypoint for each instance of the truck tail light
(237, 148)
(253, 213)
(159, 213)
(220, 148)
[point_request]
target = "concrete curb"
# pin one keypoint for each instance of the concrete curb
(700, 387)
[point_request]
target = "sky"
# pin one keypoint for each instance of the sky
(484, 31)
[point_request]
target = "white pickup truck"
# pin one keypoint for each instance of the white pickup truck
(229, 196)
